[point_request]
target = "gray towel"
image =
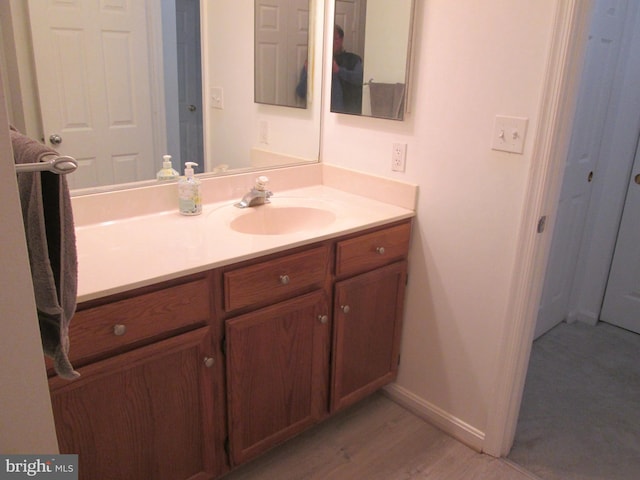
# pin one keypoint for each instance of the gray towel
(51, 242)
(387, 99)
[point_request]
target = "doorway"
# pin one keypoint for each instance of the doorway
(598, 170)
(189, 68)
(590, 226)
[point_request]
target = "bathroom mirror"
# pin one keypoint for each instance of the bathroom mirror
(372, 49)
(281, 44)
(208, 43)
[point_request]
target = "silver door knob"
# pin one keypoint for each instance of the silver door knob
(55, 139)
(380, 250)
(323, 319)
(284, 279)
(345, 308)
(209, 361)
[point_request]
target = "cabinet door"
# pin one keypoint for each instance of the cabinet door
(367, 323)
(147, 413)
(277, 373)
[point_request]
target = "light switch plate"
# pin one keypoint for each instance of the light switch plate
(216, 98)
(509, 133)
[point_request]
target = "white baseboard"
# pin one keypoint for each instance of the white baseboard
(446, 422)
(587, 317)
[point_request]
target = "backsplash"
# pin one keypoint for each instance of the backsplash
(117, 205)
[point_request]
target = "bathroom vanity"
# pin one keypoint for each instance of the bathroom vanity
(193, 375)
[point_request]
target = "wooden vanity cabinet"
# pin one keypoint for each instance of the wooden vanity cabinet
(367, 316)
(240, 358)
(148, 403)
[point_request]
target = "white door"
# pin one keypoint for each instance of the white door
(93, 82)
(622, 298)
(351, 16)
(189, 83)
(282, 36)
(298, 47)
(593, 100)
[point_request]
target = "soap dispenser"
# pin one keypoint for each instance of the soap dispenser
(167, 172)
(190, 201)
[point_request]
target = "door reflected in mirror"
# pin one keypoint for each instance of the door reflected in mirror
(371, 52)
(149, 78)
(281, 48)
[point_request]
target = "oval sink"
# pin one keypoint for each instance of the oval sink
(279, 220)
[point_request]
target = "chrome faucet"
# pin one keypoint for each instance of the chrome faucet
(258, 195)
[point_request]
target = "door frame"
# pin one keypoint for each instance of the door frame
(560, 89)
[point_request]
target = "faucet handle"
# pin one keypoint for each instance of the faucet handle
(261, 182)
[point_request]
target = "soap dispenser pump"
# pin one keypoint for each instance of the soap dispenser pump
(190, 201)
(167, 172)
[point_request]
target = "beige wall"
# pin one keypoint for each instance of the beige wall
(26, 420)
(473, 60)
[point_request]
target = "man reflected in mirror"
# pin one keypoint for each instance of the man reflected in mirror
(346, 83)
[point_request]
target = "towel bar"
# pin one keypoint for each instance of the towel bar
(60, 165)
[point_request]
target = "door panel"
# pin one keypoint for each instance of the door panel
(367, 322)
(93, 83)
(277, 373)
(281, 44)
(351, 16)
(622, 298)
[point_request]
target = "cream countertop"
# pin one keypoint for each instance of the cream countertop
(119, 255)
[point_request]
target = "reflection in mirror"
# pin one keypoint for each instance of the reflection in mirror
(371, 50)
(281, 44)
(140, 83)
(264, 135)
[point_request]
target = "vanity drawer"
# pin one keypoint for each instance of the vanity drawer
(276, 279)
(372, 250)
(134, 321)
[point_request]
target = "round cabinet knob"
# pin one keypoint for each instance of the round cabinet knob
(323, 319)
(55, 139)
(119, 329)
(380, 250)
(192, 108)
(345, 308)
(284, 279)
(209, 361)
(637, 179)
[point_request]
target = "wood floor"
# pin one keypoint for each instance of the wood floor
(376, 440)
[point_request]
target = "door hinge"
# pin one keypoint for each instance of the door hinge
(542, 223)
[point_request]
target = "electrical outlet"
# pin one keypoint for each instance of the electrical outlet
(398, 157)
